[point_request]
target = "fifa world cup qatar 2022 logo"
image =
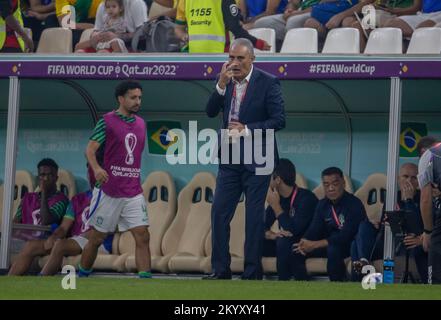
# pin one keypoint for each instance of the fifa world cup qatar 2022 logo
(130, 144)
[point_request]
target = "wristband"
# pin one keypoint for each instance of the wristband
(259, 44)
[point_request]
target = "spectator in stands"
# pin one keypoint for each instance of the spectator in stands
(293, 207)
(295, 16)
(39, 15)
(135, 15)
(252, 10)
(329, 14)
(11, 25)
(85, 12)
(369, 241)
(384, 14)
(113, 23)
(165, 8)
(208, 33)
(78, 214)
(429, 16)
(149, 2)
(334, 225)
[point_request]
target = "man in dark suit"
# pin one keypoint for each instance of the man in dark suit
(253, 109)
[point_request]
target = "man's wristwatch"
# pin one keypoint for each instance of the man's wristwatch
(427, 231)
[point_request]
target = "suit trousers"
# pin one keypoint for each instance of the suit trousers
(232, 181)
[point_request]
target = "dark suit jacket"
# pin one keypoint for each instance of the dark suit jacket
(262, 108)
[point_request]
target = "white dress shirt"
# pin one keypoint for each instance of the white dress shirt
(241, 88)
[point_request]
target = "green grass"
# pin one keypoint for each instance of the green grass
(30, 287)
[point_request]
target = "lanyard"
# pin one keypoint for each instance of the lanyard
(245, 91)
(334, 214)
(293, 197)
(235, 109)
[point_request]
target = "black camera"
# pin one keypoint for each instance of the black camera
(403, 222)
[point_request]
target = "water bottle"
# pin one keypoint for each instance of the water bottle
(388, 271)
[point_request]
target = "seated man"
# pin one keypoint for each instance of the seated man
(429, 16)
(252, 10)
(295, 15)
(46, 207)
(334, 225)
(78, 213)
(384, 13)
(329, 14)
(293, 207)
(74, 223)
(85, 12)
(369, 241)
(39, 15)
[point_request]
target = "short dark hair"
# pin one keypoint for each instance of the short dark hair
(123, 87)
(425, 143)
(48, 162)
(332, 170)
(286, 170)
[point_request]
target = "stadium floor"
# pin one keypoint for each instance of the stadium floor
(192, 288)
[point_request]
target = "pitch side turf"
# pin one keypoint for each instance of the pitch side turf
(31, 287)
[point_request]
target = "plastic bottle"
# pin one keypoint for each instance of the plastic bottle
(388, 271)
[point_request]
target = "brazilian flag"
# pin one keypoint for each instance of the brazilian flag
(411, 133)
(159, 138)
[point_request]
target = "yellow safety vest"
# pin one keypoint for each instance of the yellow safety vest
(17, 15)
(205, 23)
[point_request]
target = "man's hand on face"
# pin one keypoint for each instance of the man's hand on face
(407, 191)
(273, 198)
(225, 76)
(44, 184)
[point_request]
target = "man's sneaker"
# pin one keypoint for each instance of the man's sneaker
(358, 265)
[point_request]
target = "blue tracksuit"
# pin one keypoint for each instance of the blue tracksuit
(295, 220)
(338, 230)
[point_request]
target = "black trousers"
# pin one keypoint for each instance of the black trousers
(231, 181)
(336, 255)
(434, 275)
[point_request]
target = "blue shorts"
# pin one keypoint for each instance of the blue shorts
(323, 12)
